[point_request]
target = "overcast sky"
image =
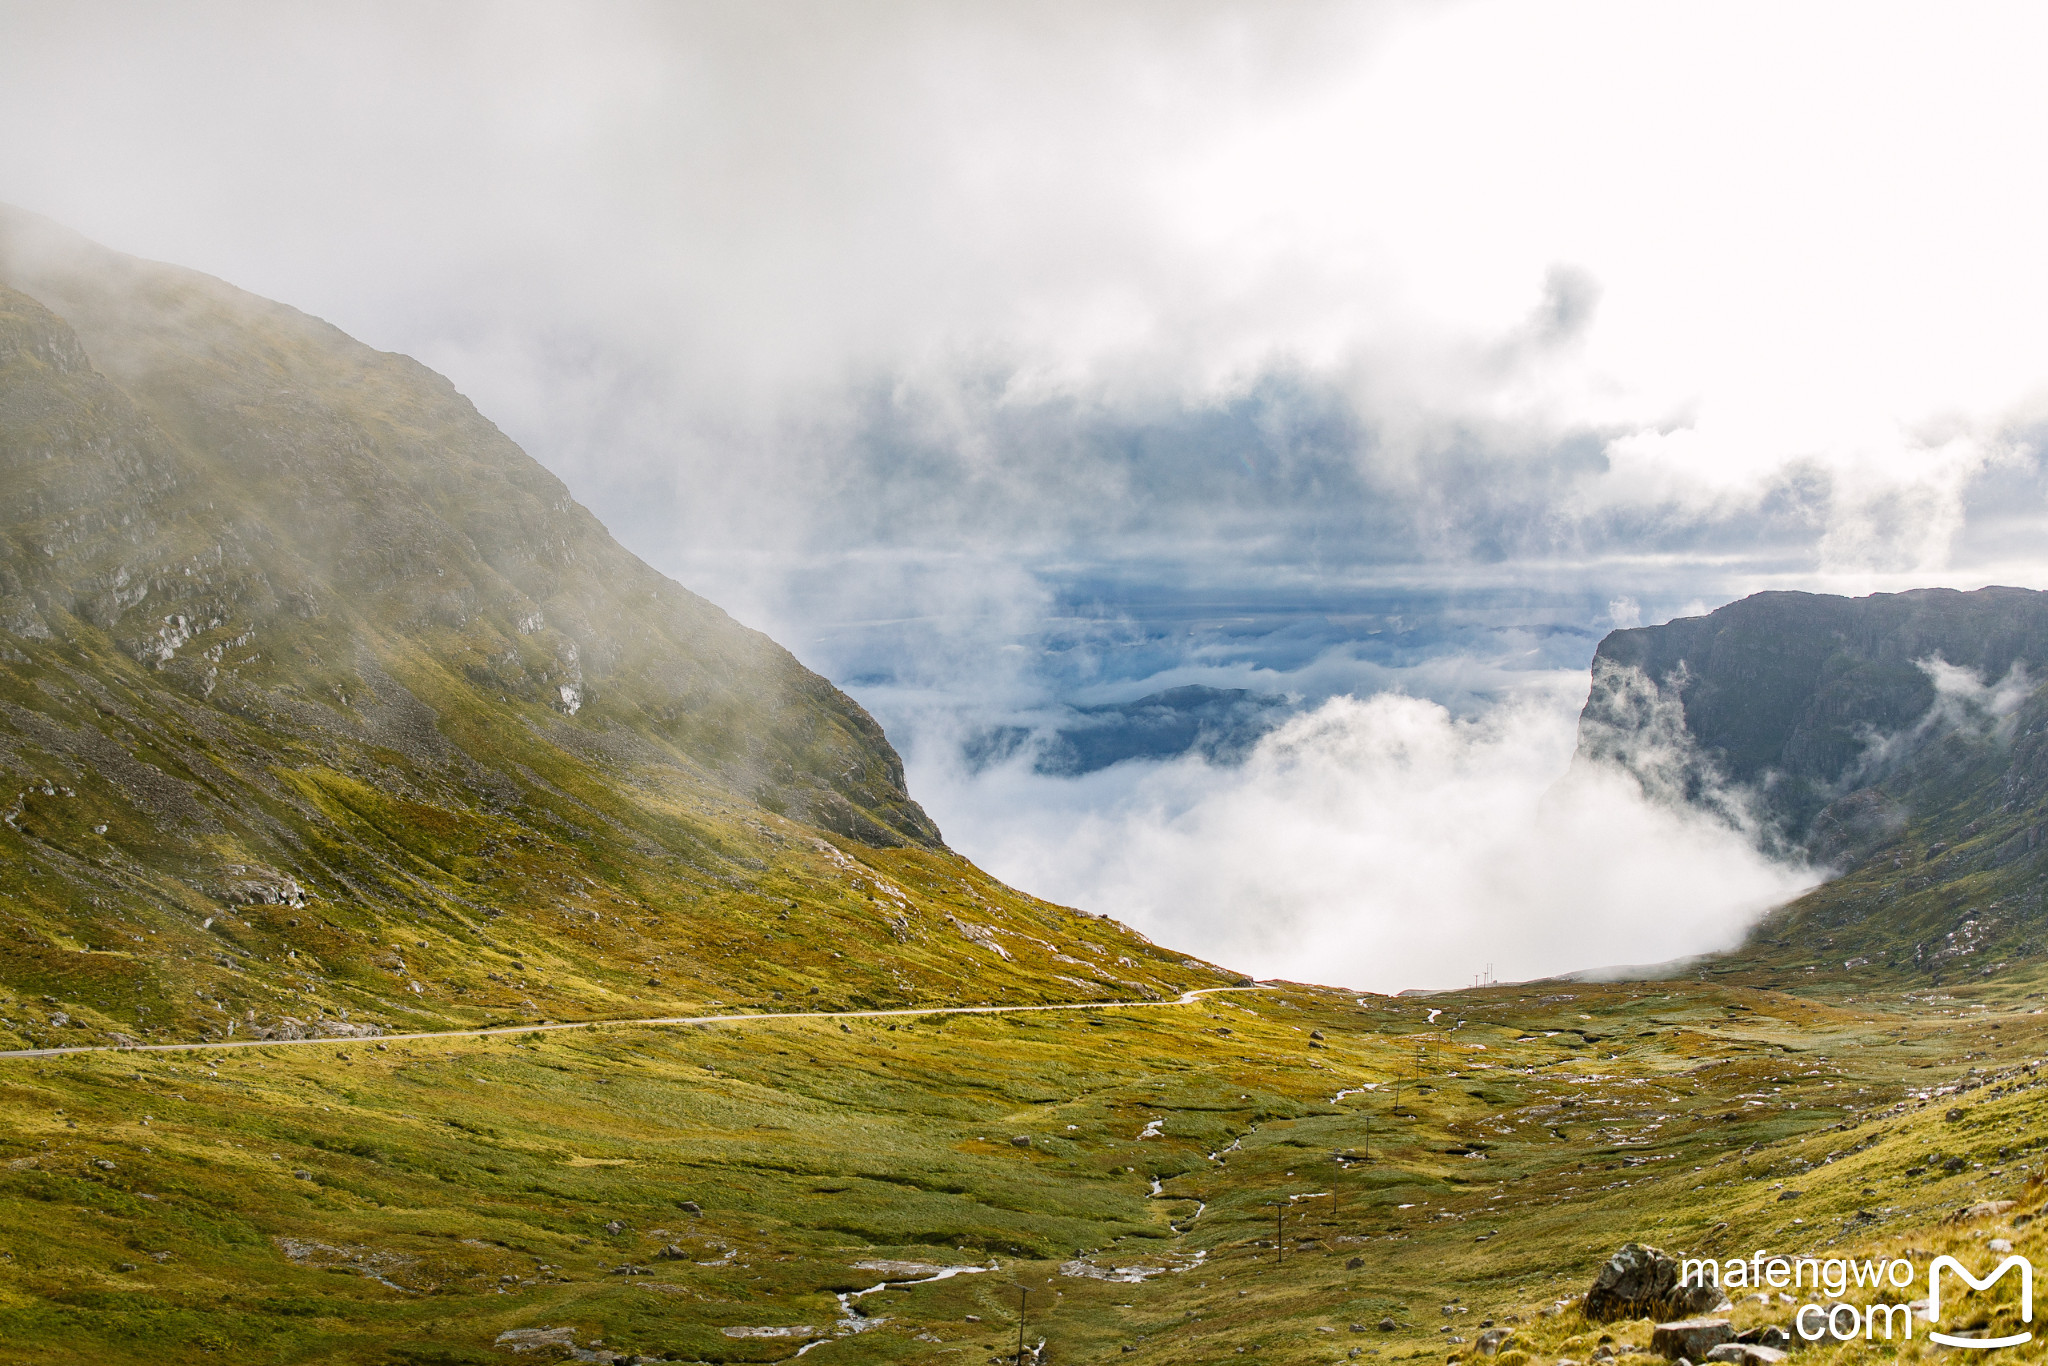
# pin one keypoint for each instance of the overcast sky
(1002, 356)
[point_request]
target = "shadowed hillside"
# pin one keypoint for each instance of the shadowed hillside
(1900, 739)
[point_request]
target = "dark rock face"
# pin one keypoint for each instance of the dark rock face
(1899, 741)
(1640, 1282)
(1788, 694)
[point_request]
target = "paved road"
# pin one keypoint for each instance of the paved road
(1185, 998)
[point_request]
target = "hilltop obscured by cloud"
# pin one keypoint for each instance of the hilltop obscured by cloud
(1011, 360)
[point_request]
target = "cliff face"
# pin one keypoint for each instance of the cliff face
(225, 487)
(1794, 695)
(1900, 739)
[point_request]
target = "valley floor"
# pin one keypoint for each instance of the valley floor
(1438, 1165)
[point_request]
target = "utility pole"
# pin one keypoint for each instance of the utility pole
(1023, 1300)
(1420, 1057)
(1279, 1231)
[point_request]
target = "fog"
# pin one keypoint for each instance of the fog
(1006, 358)
(1381, 843)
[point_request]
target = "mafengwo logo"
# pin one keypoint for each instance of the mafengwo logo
(2026, 1270)
(1843, 1322)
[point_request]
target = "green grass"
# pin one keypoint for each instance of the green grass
(447, 1166)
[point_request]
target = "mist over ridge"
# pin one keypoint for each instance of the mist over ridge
(1004, 369)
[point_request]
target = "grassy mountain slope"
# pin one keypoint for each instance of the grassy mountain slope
(323, 706)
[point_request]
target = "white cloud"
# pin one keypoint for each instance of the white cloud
(875, 320)
(1380, 844)
(671, 246)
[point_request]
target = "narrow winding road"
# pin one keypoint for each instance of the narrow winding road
(1185, 998)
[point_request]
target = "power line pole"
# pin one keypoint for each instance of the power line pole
(1023, 1302)
(1279, 1231)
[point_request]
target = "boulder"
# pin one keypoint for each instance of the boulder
(536, 1339)
(342, 1029)
(1492, 1340)
(1752, 1354)
(1641, 1282)
(1690, 1338)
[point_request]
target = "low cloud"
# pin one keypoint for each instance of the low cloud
(1381, 843)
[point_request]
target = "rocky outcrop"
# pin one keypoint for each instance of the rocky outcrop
(286, 1029)
(1798, 699)
(1690, 1338)
(1641, 1282)
(1747, 1353)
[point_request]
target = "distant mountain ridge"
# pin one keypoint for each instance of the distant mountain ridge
(1220, 724)
(1900, 738)
(1790, 693)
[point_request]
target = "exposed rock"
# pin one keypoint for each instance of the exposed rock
(899, 1270)
(535, 1339)
(1746, 1352)
(1492, 1340)
(1641, 1282)
(1690, 1338)
(342, 1029)
(979, 934)
(792, 1330)
(261, 887)
(1130, 1275)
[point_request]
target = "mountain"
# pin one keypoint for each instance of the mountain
(323, 705)
(1899, 740)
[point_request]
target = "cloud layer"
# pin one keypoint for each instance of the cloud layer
(1383, 843)
(1316, 282)
(1002, 357)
